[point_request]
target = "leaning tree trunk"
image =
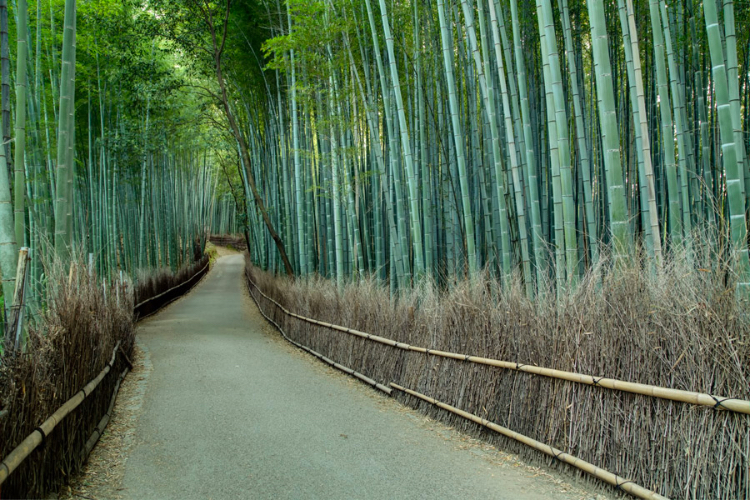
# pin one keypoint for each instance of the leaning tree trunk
(218, 47)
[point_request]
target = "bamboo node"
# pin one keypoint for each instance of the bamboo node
(719, 403)
(556, 455)
(41, 433)
(619, 486)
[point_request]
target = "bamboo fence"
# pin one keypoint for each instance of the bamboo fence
(11, 462)
(148, 307)
(697, 398)
(623, 484)
(340, 367)
(608, 477)
(23, 450)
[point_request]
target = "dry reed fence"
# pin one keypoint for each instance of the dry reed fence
(69, 346)
(681, 329)
(237, 242)
(156, 289)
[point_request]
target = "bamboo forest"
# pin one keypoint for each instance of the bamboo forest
(525, 219)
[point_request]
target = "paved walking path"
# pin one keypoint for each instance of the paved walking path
(232, 411)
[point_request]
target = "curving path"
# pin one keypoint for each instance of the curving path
(232, 411)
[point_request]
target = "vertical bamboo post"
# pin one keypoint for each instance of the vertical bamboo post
(15, 321)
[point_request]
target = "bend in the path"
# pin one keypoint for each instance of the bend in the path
(232, 411)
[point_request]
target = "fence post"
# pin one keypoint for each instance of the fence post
(16, 319)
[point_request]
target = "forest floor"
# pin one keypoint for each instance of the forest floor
(220, 406)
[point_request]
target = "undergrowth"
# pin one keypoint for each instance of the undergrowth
(680, 326)
(152, 282)
(211, 251)
(68, 345)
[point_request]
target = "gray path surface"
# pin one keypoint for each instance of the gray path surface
(232, 411)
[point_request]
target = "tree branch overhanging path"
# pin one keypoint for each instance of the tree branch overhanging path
(218, 47)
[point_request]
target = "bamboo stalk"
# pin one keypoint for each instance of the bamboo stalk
(97, 433)
(16, 310)
(606, 476)
(716, 402)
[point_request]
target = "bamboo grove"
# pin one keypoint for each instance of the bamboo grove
(437, 138)
(97, 164)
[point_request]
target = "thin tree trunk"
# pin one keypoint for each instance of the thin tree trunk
(218, 44)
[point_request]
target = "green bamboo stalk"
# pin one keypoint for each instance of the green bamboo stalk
(8, 247)
(667, 128)
(648, 169)
(459, 141)
(531, 164)
(511, 146)
(609, 133)
(585, 167)
(336, 210)
(554, 160)
(299, 188)
(393, 150)
(544, 7)
(734, 94)
(5, 72)
(63, 199)
(415, 221)
(679, 109)
(428, 220)
(19, 188)
(735, 196)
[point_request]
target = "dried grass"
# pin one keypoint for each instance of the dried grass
(681, 327)
(233, 241)
(68, 346)
(152, 283)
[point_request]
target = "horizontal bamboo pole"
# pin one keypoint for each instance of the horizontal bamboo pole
(171, 289)
(606, 476)
(23, 450)
(97, 433)
(330, 362)
(716, 402)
